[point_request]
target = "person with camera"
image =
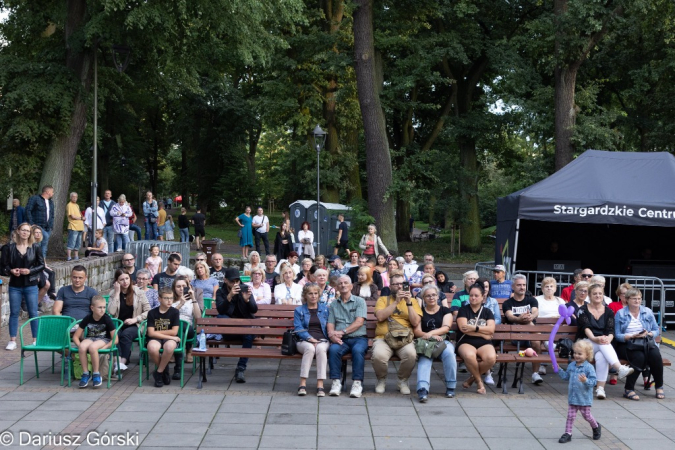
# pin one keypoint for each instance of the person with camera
(309, 321)
(185, 301)
(234, 300)
(635, 330)
(397, 315)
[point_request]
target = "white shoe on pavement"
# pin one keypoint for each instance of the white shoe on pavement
(335, 389)
(403, 386)
(11, 345)
(537, 379)
(542, 369)
(357, 389)
(600, 393)
(488, 379)
(381, 386)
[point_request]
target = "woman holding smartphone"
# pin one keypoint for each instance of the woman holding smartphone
(309, 321)
(185, 301)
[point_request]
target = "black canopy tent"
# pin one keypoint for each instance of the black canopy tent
(603, 209)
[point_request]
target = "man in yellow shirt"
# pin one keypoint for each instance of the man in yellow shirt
(161, 220)
(398, 312)
(75, 227)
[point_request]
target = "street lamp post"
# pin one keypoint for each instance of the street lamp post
(319, 142)
(120, 55)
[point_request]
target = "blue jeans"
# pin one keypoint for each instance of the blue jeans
(121, 240)
(185, 235)
(137, 229)
(150, 230)
(357, 346)
(45, 242)
(109, 236)
(16, 294)
(449, 368)
(247, 342)
(74, 240)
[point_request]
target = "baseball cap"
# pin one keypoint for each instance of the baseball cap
(333, 258)
(499, 268)
(232, 274)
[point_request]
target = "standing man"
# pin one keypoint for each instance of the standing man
(108, 233)
(199, 221)
(261, 225)
(342, 237)
(17, 217)
(399, 311)
(100, 221)
(346, 329)
(500, 287)
(161, 220)
(522, 309)
(75, 227)
(40, 212)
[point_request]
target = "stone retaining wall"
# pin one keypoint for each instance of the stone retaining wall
(100, 273)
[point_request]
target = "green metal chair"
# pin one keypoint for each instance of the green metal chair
(113, 350)
(208, 304)
(144, 357)
(52, 337)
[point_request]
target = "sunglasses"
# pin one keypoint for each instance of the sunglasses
(586, 275)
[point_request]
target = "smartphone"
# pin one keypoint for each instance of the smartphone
(406, 286)
(186, 290)
(243, 287)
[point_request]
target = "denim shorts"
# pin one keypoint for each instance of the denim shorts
(160, 230)
(74, 240)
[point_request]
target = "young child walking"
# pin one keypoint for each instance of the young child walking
(163, 326)
(100, 328)
(582, 379)
(154, 263)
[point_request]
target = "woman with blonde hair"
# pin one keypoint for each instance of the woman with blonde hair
(261, 292)
(371, 244)
(253, 262)
(204, 281)
(364, 287)
(287, 292)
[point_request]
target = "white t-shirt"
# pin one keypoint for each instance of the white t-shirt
(549, 309)
(409, 268)
(260, 220)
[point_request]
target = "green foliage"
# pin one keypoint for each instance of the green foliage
(360, 219)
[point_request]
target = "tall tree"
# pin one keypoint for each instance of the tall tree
(378, 157)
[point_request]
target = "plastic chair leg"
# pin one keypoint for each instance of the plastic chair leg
(21, 373)
(37, 370)
(52, 362)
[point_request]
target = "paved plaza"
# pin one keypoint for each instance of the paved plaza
(265, 413)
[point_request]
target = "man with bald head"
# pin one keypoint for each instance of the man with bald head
(217, 270)
(346, 329)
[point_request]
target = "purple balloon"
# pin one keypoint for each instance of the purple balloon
(566, 313)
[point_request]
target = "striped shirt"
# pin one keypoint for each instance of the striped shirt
(342, 314)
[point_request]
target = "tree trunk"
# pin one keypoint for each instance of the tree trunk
(565, 114)
(470, 225)
(59, 163)
(378, 158)
(402, 224)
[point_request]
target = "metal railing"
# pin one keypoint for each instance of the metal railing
(484, 269)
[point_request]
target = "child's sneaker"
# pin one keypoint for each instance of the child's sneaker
(97, 380)
(84, 381)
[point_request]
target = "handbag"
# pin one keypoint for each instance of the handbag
(565, 348)
(289, 342)
(431, 348)
(398, 335)
(643, 344)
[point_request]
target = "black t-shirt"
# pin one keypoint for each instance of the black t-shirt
(165, 321)
(126, 312)
(183, 221)
(472, 318)
(218, 275)
(314, 329)
(163, 280)
(432, 322)
(199, 219)
(345, 231)
(517, 308)
(131, 275)
(102, 328)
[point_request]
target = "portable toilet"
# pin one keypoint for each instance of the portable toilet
(326, 234)
(298, 214)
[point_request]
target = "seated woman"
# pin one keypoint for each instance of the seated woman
(490, 302)
(476, 325)
(548, 302)
(320, 261)
(309, 321)
(127, 303)
(364, 287)
(446, 286)
(435, 324)
(580, 296)
(203, 280)
(637, 322)
(325, 289)
(287, 292)
(382, 268)
(615, 306)
(253, 262)
(185, 301)
(261, 292)
(143, 280)
(305, 267)
(353, 259)
(427, 280)
(595, 321)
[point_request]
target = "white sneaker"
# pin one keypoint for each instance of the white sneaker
(624, 371)
(488, 379)
(381, 386)
(335, 389)
(403, 386)
(357, 389)
(542, 369)
(123, 366)
(600, 393)
(537, 379)
(11, 345)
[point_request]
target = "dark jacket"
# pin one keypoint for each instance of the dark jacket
(356, 290)
(282, 250)
(585, 320)
(353, 273)
(12, 259)
(237, 308)
(447, 286)
(36, 212)
(20, 213)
